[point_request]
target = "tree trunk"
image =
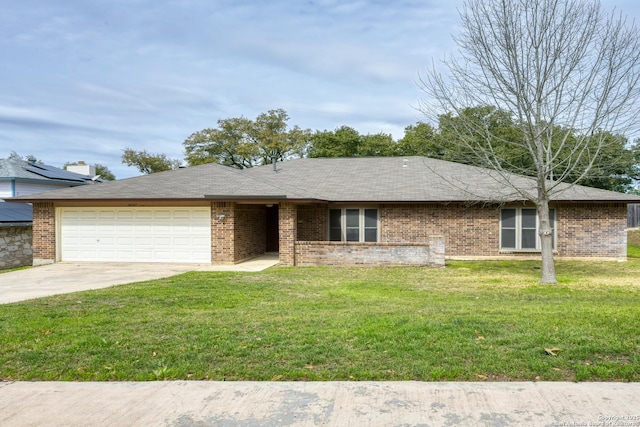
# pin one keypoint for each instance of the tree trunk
(546, 242)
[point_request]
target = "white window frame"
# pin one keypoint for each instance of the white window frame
(519, 228)
(361, 223)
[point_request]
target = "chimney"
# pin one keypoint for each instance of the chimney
(82, 169)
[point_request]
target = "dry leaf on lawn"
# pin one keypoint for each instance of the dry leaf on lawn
(552, 351)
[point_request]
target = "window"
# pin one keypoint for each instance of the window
(519, 229)
(353, 225)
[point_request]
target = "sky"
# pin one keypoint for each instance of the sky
(81, 80)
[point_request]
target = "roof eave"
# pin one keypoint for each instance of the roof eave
(16, 224)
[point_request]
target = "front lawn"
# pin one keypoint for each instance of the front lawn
(470, 321)
(633, 238)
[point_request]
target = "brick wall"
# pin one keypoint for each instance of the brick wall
(288, 229)
(15, 247)
(250, 231)
(312, 222)
(350, 254)
(467, 230)
(239, 235)
(222, 232)
(592, 230)
(44, 233)
(583, 230)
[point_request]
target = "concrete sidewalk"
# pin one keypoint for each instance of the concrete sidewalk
(67, 277)
(196, 403)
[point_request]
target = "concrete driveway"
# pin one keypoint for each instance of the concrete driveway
(67, 277)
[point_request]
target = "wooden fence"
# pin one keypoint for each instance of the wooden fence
(633, 215)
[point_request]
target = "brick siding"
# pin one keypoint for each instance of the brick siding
(288, 229)
(250, 231)
(592, 230)
(312, 222)
(222, 232)
(44, 233)
(240, 234)
(582, 229)
(350, 254)
(467, 230)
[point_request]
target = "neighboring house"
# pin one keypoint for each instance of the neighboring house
(21, 178)
(341, 211)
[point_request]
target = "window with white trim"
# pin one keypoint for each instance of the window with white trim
(519, 229)
(353, 225)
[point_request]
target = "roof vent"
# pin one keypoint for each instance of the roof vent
(405, 163)
(275, 168)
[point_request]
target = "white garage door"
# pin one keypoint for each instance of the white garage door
(136, 234)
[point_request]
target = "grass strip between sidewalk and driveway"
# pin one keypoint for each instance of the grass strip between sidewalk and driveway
(468, 321)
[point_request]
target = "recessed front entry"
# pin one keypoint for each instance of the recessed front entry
(272, 234)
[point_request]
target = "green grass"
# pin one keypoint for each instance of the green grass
(469, 321)
(633, 249)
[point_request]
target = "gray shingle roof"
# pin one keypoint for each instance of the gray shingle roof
(375, 179)
(23, 170)
(184, 183)
(12, 213)
(412, 179)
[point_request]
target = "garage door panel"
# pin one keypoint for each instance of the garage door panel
(106, 214)
(106, 240)
(124, 241)
(89, 215)
(143, 215)
(136, 234)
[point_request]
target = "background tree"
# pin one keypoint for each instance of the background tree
(101, 170)
(616, 169)
(421, 139)
(149, 162)
(243, 143)
(104, 172)
(377, 144)
(342, 142)
(28, 158)
(348, 142)
(566, 73)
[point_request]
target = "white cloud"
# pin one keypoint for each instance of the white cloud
(84, 80)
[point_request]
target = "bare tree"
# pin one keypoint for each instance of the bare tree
(566, 71)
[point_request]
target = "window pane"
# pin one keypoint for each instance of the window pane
(353, 217)
(508, 238)
(509, 218)
(353, 235)
(335, 234)
(371, 218)
(371, 235)
(528, 238)
(334, 217)
(529, 218)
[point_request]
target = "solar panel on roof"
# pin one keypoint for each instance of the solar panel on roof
(54, 173)
(15, 212)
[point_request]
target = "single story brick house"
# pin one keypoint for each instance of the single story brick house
(316, 211)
